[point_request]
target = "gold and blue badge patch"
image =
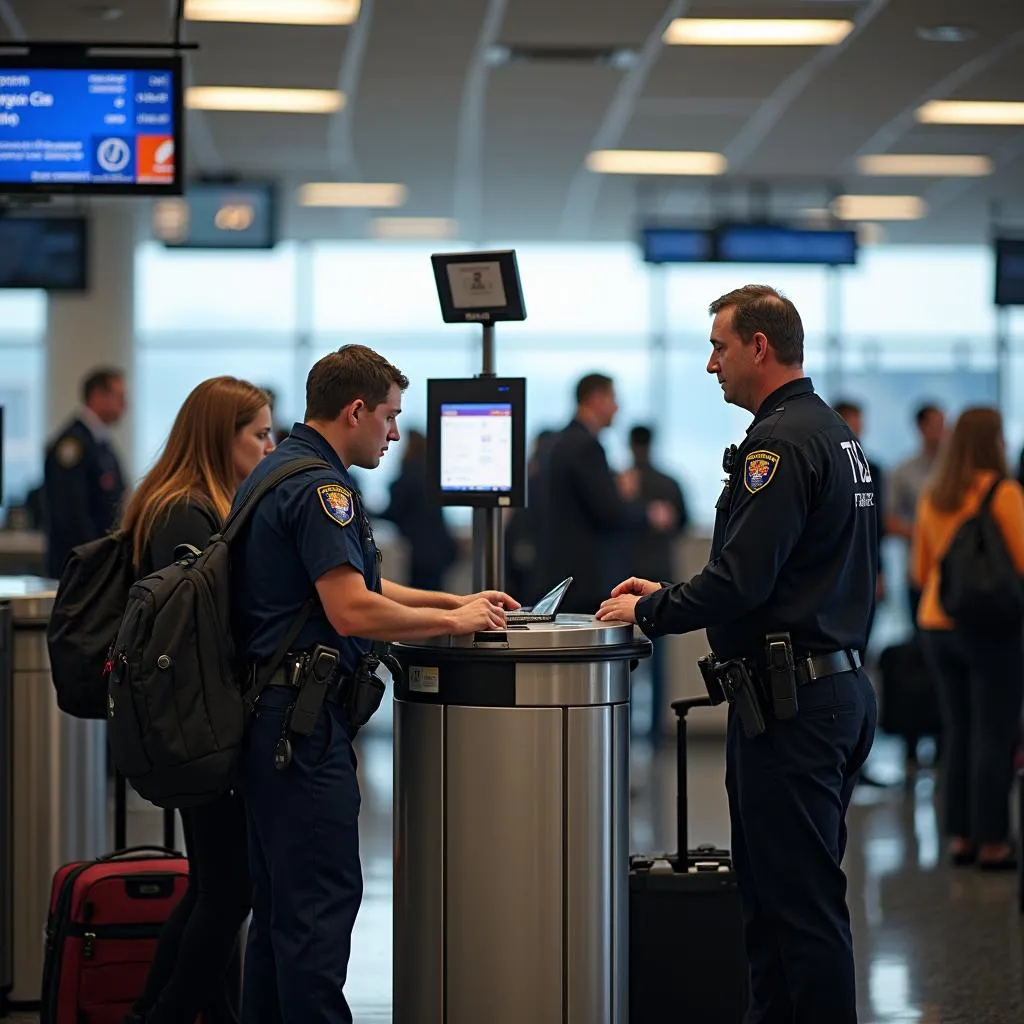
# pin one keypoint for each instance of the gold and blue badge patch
(337, 502)
(758, 469)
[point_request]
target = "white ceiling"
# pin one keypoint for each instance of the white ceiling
(502, 149)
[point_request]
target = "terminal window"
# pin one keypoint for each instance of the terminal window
(476, 446)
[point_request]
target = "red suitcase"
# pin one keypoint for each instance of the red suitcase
(105, 918)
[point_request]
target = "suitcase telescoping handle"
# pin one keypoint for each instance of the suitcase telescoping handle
(682, 708)
(121, 816)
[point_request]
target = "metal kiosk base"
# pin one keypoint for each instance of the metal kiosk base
(512, 826)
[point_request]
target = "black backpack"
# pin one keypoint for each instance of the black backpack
(979, 587)
(177, 700)
(86, 616)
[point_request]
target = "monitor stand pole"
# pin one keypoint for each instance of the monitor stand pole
(488, 525)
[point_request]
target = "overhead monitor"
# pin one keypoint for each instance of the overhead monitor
(51, 253)
(213, 215)
(676, 245)
(478, 287)
(776, 243)
(476, 441)
(1010, 271)
(72, 123)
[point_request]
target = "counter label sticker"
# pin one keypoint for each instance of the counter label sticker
(423, 680)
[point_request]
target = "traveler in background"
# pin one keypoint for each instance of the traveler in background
(585, 533)
(907, 481)
(524, 525)
(980, 679)
(279, 431)
(83, 482)
(420, 519)
(853, 414)
(650, 553)
(219, 435)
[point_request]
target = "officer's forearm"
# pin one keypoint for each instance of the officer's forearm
(412, 598)
(378, 617)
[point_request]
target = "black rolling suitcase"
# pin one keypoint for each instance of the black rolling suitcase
(687, 962)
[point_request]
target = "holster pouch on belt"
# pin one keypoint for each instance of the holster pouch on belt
(778, 649)
(320, 672)
(711, 681)
(740, 691)
(365, 692)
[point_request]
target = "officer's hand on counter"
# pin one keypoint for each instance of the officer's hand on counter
(477, 616)
(498, 597)
(621, 606)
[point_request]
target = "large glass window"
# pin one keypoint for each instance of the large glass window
(22, 391)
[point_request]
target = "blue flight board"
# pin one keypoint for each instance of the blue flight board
(771, 243)
(676, 245)
(97, 128)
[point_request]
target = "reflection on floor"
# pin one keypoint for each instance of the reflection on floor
(934, 946)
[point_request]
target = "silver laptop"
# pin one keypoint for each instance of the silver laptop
(544, 610)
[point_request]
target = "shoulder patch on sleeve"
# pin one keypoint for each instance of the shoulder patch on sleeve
(759, 469)
(69, 452)
(337, 502)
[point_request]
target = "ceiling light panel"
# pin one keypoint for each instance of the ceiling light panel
(274, 12)
(352, 193)
(861, 207)
(655, 161)
(757, 32)
(924, 165)
(971, 112)
(270, 101)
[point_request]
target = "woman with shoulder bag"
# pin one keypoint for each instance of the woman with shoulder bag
(978, 666)
(219, 435)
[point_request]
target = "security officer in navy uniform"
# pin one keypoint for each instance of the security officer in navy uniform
(309, 545)
(83, 481)
(793, 562)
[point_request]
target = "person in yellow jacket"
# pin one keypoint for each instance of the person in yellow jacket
(980, 679)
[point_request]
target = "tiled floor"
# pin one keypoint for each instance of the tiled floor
(934, 946)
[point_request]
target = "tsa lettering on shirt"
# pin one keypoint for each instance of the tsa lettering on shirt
(861, 472)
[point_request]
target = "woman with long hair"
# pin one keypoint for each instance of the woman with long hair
(980, 678)
(220, 434)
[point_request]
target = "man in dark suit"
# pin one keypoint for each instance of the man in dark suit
(652, 548)
(83, 481)
(587, 520)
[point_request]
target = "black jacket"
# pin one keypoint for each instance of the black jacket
(84, 489)
(185, 522)
(585, 523)
(795, 547)
(651, 549)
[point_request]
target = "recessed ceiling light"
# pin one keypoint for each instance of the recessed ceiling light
(413, 227)
(274, 12)
(853, 207)
(945, 33)
(924, 165)
(352, 193)
(757, 32)
(971, 112)
(271, 101)
(655, 161)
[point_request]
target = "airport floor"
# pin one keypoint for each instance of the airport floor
(934, 945)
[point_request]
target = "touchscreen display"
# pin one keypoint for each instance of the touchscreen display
(476, 446)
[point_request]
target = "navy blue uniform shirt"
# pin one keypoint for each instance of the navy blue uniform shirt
(309, 524)
(84, 489)
(795, 547)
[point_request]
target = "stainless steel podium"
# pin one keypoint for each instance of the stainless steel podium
(512, 826)
(58, 783)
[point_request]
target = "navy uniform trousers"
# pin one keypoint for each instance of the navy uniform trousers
(304, 858)
(789, 789)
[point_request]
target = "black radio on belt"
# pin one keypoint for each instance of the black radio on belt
(731, 680)
(778, 652)
(321, 670)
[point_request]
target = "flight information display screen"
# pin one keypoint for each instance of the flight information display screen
(476, 446)
(96, 128)
(1010, 272)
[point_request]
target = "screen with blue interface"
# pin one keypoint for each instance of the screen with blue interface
(99, 128)
(476, 446)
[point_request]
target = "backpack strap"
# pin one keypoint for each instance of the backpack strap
(240, 516)
(990, 494)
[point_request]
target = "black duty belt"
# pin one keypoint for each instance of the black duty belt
(819, 666)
